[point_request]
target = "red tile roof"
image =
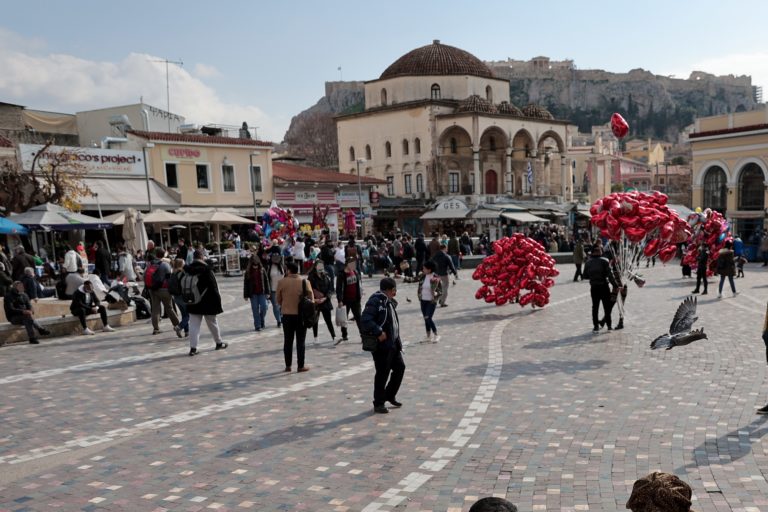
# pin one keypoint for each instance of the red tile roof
(300, 173)
(198, 138)
(5, 143)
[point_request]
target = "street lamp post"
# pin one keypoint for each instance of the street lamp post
(98, 205)
(253, 182)
(146, 172)
(360, 195)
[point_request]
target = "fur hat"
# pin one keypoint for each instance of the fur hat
(660, 492)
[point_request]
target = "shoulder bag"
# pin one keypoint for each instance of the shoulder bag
(307, 310)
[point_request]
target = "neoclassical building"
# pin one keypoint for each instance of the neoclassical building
(437, 122)
(730, 167)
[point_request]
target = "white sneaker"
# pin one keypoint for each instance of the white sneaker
(107, 328)
(88, 332)
(436, 339)
(735, 293)
(428, 338)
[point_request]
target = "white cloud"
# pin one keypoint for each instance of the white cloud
(66, 83)
(205, 71)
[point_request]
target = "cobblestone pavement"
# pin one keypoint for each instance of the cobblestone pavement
(528, 405)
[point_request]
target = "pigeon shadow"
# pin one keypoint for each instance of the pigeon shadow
(729, 447)
(301, 432)
(517, 369)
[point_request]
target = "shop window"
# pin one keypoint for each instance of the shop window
(489, 93)
(751, 188)
(435, 92)
(256, 178)
(171, 178)
(405, 146)
(715, 189)
(384, 97)
(351, 154)
(407, 184)
(419, 183)
(203, 177)
(417, 146)
(453, 182)
(388, 149)
(367, 152)
(390, 185)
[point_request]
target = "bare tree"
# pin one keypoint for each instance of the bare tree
(314, 138)
(56, 176)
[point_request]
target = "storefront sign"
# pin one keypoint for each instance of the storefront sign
(351, 198)
(183, 154)
(452, 205)
(112, 162)
(306, 196)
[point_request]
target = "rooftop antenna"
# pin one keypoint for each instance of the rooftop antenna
(341, 76)
(168, 86)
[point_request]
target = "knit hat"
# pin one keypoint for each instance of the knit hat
(660, 492)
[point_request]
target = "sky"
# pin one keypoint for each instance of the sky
(263, 61)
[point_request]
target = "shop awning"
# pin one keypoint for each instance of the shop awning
(522, 217)
(122, 193)
(484, 213)
(682, 210)
(548, 213)
(444, 214)
(243, 211)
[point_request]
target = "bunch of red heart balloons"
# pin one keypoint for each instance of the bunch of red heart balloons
(641, 220)
(711, 229)
(519, 270)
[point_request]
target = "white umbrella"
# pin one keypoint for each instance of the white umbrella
(219, 218)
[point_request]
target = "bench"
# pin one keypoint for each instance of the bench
(55, 316)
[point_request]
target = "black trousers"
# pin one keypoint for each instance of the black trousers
(292, 327)
(81, 314)
(355, 308)
(29, 323)
(389, 367)
(328, 321)
(601, 293)
(701, 277)
(578, 274)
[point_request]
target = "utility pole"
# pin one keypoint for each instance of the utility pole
(168, 86)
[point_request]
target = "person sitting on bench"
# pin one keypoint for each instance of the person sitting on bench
(85, 302)
(18, 311)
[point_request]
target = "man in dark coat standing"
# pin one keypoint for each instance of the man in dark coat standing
(380, 319)
(102, 262)
(420, 246)
(598, 271)
(209, 304)
(19, 262)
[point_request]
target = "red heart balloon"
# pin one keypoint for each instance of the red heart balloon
(619, 126)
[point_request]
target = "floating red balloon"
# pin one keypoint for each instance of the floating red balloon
(619, 126)
(517, 265)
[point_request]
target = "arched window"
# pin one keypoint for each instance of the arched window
(387, 149)
(367, 152)
(492, 143)
(419, 183)
(715, 189)
(405, 146)
(751, 188)
(435, 92)
(454, 146)
(384, 97)
(489, 93)
(417, 146)
(351, 153)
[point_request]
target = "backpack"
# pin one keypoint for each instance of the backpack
(174, 283)
(190, 289)
(307, 311)
(149, 277)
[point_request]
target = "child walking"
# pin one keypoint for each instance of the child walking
(430, 290)
(740, 261)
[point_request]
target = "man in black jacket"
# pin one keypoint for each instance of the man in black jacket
(598, 271)
(420, 246)
(701, 268)
(206, 303)
(84, 303)
(444, 266)
(18, 311)
(103, 262)
(380, 319)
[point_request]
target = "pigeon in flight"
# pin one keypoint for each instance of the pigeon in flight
(680, 332)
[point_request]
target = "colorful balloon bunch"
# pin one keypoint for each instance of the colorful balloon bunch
(711, 229)
(519, 270)
(640, 221)
(278, 222)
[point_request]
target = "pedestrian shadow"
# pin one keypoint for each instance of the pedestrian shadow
(515, 369)
(225, 386)
(294, 433)
(729, 447)
(579, 339)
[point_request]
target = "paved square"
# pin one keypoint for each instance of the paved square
(527, 405)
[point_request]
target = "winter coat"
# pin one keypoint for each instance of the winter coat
(578, 253)
(322, 286)
(211, 302)
(289, 290)
(341, 284)
(725, 264)
(598, 271)
(266, 289)
(434, 283)
(19, 263)
(443, 264)
(15, 304)
(79, 302)
(380, 315)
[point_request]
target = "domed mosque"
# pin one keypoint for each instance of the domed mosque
(437, 125)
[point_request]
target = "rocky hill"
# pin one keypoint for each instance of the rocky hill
(655, 106)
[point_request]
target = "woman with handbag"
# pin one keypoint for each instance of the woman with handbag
(291, 290)
(322, 288)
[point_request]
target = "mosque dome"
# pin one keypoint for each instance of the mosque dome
(437, 59)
